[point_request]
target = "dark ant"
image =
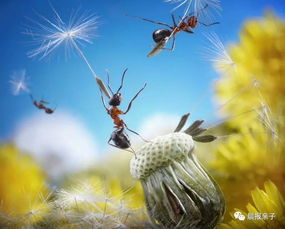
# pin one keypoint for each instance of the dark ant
(119, 137)
(41, 105)
(162, 36)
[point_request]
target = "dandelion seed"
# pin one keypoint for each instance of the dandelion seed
(196, 6)
(217, 54)
(19, 82)
(83, 194)
(264, 116)
(49, 35)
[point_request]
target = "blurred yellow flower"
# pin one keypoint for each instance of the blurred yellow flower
(267, 210)
(256, 82)
(246, 155)
(23, 191)
(244, 161)
(259, 57)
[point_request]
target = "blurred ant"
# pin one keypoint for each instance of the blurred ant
(162, 36)
(41, 105)
(119, 137)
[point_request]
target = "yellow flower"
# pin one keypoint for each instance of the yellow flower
(246, 155)
(244, 161)
(259, 56)
(255, 82)
(267, 210)
(22, 188)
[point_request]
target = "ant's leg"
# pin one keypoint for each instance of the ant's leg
(103, 100)
(108, 82)
(130, 104)
(135, 133)
(155, 22)
(181, 20)
(173, 20)
(214, 23)
(42, 101)
(122, 80)
(172, 46)
(130, 151)
(133, 151)
(109, 142)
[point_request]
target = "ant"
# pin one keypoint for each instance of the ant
(162, 36)
(119, 137)
(41, 105)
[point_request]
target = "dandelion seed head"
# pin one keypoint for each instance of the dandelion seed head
(50, 34)
(160, 151)
(170, 173)
(19, 82)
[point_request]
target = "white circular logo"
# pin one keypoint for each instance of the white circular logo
(239, 216)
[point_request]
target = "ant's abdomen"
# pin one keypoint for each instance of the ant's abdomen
(160, 34)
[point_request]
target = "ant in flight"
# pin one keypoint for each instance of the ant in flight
(42, 105)
(119, 137)
(162, 36)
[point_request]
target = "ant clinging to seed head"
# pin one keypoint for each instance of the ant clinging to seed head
(162, 36)
(119, 137)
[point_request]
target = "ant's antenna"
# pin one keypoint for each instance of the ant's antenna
(122, 80)
(108, 82)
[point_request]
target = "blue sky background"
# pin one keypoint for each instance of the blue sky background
(176, 80)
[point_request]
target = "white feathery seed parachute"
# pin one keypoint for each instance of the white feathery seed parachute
(217, 53)
(194, 6)
(90, 206)
(19, 82)
(50, 34)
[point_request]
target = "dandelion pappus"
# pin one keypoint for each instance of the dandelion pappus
(162, 36)
(119, 137)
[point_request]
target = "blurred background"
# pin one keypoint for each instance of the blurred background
(40, 153)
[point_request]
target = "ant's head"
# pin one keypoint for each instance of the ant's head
(160, 35)
(192, 21)
(116, 99)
